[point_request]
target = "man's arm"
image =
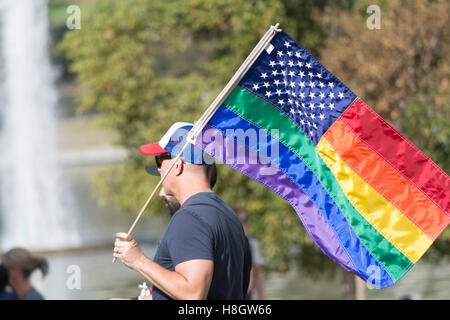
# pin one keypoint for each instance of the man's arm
(190, 280)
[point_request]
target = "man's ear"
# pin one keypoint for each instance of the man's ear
(179, 167)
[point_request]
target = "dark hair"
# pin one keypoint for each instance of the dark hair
(212, 173)
(3, 277)
(23, 259)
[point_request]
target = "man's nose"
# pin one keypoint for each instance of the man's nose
(162, 192)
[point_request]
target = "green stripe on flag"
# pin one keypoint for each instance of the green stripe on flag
(251, 107)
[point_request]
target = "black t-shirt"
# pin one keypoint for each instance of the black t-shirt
(205, 227)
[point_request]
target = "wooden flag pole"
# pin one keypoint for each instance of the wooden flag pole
(200, 124)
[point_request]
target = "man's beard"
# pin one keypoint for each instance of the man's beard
(172, 204)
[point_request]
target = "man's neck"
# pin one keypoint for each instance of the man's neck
(187, 191)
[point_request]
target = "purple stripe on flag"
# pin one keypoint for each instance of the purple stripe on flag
(246, 161)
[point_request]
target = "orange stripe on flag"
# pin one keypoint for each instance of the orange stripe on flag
(399, 152)
(386, 180)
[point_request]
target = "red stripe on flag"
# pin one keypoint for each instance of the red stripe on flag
(387, 181)
(399, 152)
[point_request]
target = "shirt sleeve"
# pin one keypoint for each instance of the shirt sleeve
(189, 238)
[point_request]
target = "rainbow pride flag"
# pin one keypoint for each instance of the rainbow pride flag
(370, 199)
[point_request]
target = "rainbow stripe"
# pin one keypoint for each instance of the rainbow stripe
(367, 196)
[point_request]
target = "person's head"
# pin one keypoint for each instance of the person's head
(170, 201)
(22, 260)
(194, 168)
(183, 175)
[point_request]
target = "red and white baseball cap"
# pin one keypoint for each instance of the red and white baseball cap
(173, 141)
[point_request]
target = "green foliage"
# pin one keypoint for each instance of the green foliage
(145, 64)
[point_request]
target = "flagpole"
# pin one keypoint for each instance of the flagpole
(200, 124)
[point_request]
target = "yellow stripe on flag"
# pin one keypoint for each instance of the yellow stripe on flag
(378, 211)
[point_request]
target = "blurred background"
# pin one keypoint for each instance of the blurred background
(84, 83)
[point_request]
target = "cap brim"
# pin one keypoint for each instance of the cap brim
(153, 170)
(152, 149)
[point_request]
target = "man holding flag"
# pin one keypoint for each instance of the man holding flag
(204, 253)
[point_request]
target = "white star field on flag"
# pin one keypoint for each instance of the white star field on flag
(292, 80)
